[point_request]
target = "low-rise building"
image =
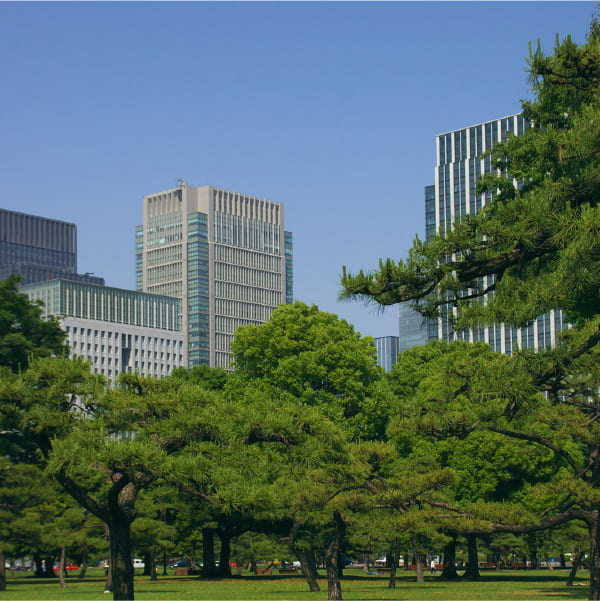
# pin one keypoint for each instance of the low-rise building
(117, 330)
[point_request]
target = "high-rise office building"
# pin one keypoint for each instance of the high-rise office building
(39, 248)
(227, 257)
(387, 351)
(452, 197)
(116, 330)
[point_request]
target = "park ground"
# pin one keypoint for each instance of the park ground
(505, 585)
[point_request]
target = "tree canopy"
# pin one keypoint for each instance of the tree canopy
(23, 332)
(538, 238)
(534, 247)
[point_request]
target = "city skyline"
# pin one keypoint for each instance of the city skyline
(328, 108)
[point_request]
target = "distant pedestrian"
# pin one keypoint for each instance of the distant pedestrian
(432, 566)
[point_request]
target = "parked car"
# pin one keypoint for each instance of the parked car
(138, 563)
(182, 563)
(68, 566)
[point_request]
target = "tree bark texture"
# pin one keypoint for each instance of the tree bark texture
(418, 559)
(39, 570)
(224, 570)
(119, 526)
(472, 567)
(392, 562)
(84, 563)
(61, 567)
(208, 553)
(2, 571)
(594, 567)
(309, 567)
(108, 581)
(334, 587)
(152, 561)
(49, 568)
(574, 566)
(449, 564)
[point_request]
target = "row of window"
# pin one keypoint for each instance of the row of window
(248, 311)
(228, 325)
(137, 338)
(164, 273)
(247, 258)
(22, 253)
(164, 229)
(240, 292)
(165, 254)
(248, 276)
(248, 233)
(474, 141)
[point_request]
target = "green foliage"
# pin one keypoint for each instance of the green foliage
(540, 240)
(213, 378)
(23, 332)
(314, 357)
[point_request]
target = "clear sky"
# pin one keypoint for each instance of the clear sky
(328, 107)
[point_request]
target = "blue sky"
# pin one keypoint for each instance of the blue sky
(328, 107)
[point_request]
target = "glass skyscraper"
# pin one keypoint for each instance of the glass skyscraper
(459, 165)
(39, 248)
(227, 257)
(387, 351)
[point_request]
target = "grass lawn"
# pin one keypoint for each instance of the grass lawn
(511, 585)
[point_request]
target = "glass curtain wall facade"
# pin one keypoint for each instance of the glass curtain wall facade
(388, 348)
(39, 248)
(225, 254)
(117, 331)
(459, 165)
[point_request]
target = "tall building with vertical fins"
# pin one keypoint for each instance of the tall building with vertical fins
(39, 249)
(460, 163)
(226, 255)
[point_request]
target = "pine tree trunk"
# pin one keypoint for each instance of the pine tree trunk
(594, 563)
(224, 570)
(340, 564)
(406, 561)
(108, 581)
(208, 552)
(84, 563)
(121, 512)
(334, 588)
(309, 568)
(392, 561)
(61, 567)
(2, 571)
(449, 565)
(574, 567)
(252, 567)
(152, 561)
(121, 565)
(39, 570)
(147, 568)
(418, 560)
(547, 560)
(164, 563)
(49, 568)
(472, 568)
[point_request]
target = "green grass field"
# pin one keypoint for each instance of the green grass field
(512, 585)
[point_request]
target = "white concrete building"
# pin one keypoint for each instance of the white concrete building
(116, 330)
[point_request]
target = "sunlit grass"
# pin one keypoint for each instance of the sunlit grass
(509, 585)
